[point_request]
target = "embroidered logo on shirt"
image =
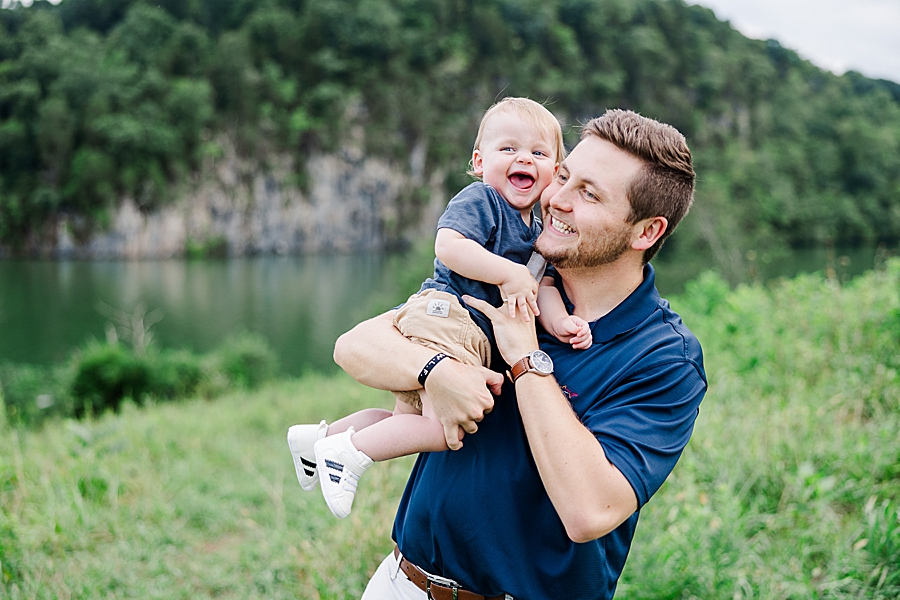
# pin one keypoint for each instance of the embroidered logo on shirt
(438, 308)
(569, 394)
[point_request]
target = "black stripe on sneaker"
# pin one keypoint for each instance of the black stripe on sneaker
(307, 463)
(310, 472)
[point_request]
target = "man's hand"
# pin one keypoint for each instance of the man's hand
(519, 288)
(460, 396)
(515, 337)
(376, 354)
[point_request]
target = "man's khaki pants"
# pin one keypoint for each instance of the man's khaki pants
(389, 583)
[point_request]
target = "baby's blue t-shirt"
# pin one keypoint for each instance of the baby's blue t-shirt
(480, 214)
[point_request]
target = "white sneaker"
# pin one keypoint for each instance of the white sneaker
(341, 465)
(301, 439)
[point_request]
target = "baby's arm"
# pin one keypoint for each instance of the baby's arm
(471, 259)
(558, 322)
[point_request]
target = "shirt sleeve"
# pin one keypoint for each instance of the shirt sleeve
(645, 424)
(473, 213)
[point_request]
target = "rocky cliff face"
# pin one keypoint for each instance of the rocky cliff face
(353, 203)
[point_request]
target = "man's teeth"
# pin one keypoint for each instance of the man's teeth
(561, 227)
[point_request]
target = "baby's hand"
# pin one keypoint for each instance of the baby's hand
(573, 330)
(520, 289)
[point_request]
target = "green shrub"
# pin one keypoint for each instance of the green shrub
(246, 360)
(100, 376)
(175, 374)
(105, 375)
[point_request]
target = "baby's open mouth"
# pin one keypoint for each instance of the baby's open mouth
(522, 181)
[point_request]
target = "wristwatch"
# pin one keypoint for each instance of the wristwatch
(537, 362)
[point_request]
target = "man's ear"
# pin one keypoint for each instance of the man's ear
(648, 231)
(477, 162)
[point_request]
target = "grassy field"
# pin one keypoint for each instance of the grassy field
(188, 500)
(790, 487)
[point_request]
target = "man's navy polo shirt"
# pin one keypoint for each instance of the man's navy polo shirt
(481, 515)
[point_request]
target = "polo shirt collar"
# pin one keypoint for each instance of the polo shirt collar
(630, 313)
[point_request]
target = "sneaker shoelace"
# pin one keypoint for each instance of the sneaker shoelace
(349, 481)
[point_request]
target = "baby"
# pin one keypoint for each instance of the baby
(483, 248)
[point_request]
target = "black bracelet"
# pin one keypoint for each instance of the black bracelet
(423, 374)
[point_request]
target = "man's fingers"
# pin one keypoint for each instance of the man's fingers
(481, 306)
(451, 435)
(494, 381)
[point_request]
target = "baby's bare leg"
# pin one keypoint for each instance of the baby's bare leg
(359, 420)
(407, 432)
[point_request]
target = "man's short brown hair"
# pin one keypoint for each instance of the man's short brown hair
(665, 186)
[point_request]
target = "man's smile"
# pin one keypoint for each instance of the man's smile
(561, 227)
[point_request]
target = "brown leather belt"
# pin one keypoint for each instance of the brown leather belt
(439, 588)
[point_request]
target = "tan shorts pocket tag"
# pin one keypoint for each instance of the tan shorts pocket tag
(438, 308)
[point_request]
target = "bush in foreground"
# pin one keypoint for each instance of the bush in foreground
(102, 375)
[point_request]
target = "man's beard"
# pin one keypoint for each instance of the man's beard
(586, 254)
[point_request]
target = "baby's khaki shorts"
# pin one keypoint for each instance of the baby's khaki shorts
(438, 320)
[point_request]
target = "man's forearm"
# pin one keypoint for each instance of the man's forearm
(591, 496)
(377, 355)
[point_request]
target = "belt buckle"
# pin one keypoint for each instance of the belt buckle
(442, 581)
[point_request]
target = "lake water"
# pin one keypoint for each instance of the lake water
(300, 304)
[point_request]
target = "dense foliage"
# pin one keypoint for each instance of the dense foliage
(102, 375)
(105, 98)
(789, 488)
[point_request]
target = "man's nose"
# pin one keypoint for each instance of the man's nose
(557, 196)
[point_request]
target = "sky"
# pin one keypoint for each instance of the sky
(836, 35)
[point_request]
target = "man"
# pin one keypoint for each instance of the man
(544, 500)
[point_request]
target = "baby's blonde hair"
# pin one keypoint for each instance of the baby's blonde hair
(532, 113)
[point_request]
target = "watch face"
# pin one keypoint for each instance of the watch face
(541, 362)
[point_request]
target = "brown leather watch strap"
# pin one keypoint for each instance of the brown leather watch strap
(521, 367)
